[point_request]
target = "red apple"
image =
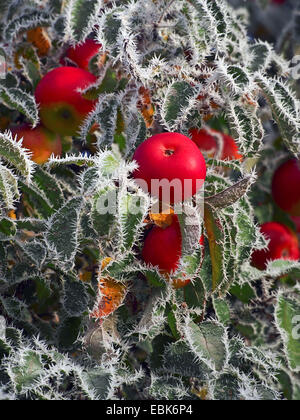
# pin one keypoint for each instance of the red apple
(162, 248)
(174, 158)
(62, 108)
(82, 54)
(207, 143)
(40, 141)
(286, 187)
(283, 245)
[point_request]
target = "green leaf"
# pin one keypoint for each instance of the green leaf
(279, 267)
(21, 101)
(239, 76)
(111, 28)
(104, 210)
(37, 199)
(211, 15)
(56, 5)
(110, 162)
(80, 160)
(108, 84)
(230, 195)
(227, 387)
(4, 5)
(34, 225)
(50, 186)
(215, 239)
(104, 114)
(80, 18)
(132, 212)
(154, 278)
(63, 231)
(75, 297)
(245, 128)
(207, 342)
(36, 251)
(153, 319)
(167, 388)
(31, 65)
(28, 371)
(222, 310)
(118, 268)
(98, 381)
(26, 21)
(172, 324)
(261, 54)
(7, 228)
(135, 132)
(286, 384)
(175, 104)
(244, 292)
(179, 360)
(8, 187)
(220, 16)
(296, 392)
(246, 230)
(287, 315)
(16, 309)
(21, 271)
(194, 294)
(68, 332)
(13, 153)
(283, 103)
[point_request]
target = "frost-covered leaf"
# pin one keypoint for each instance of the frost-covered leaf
(27, 372)
(25, 21)
(216, 243)
(235, 77)
(246, 128)
(68, 332)
(175, 106)
(79, 160)
(75, 297)
(222, 310)
(208, 342)
(178, 359)
(8, 187)
(261, 56)
(16, 309)
(34, 225)
(19, 100)
(80, 17)
(167, 388)
(37, 199)
(132, 212)
(231, 194)
(98, 382)
(7, 228)
(285, 109)
(109, 28)
(287, 314)
(153, 319)
(105, 115)
(13, 152)
(37, 251)
(103, 213)
(63, 231)
(50, 186)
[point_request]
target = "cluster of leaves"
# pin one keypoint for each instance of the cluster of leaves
(226, 335)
